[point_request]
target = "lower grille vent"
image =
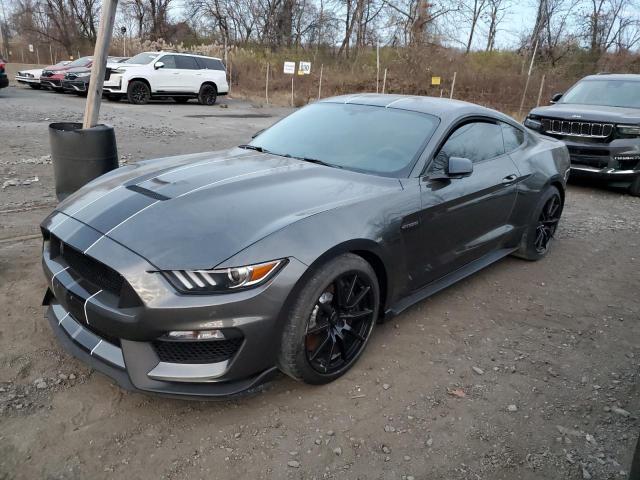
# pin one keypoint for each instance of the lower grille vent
(212, 351)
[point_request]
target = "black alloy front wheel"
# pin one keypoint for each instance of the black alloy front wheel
(331, 322)
(138, 92)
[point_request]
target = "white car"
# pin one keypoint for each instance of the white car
(30, 77)
(180, 76)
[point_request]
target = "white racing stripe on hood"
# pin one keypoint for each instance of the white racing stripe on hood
(225, 180)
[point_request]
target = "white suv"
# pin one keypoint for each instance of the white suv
(180, 76)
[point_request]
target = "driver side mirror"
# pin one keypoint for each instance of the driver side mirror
(456, 167)
(556, 97)
(158, 65)
(459, 167)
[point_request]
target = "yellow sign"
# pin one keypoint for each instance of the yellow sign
(435, 80)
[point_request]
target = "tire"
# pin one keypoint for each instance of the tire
(208, 94)
(114, 97)
(138, 92)
(316, 326)
(634, 188)
(181, 99)
(35, 86)
(536, 240)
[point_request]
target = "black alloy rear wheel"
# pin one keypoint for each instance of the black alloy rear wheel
(208, 94)
(537, 238)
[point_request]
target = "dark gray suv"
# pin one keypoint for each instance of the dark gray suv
(599, 121)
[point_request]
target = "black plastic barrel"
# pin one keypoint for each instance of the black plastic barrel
(80, 155)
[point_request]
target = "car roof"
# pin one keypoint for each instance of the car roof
(183, 53)
(440, 107)
(614, 76)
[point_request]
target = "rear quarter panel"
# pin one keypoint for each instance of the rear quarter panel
(541, 162)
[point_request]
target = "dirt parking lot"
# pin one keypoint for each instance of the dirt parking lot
(525, 370)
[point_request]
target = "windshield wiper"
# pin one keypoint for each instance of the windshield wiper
(254, 147)
(315, 160)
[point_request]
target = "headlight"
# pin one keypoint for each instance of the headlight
(629, 130)
(533, 122)
(222, 280)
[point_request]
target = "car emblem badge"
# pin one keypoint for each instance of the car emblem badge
(576, 116)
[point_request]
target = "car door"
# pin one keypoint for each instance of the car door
(465, 219)
(166, 77)
(190, 74)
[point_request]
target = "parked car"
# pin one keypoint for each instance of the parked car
(30, 77)
(180, 76)
(348, 209)
(76, 80)
(4, 80)
(599, 121)
(53, 75)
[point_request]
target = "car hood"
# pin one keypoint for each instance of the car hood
(195, 212)
(595, 113)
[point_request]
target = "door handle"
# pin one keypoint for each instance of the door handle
(509, 178)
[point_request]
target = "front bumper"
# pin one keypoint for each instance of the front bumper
(51, 82)
(616, 161)
(78, 86)
(122, 340)
(27, 80)
(114, 84)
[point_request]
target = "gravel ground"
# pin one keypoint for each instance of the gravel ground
(525, 370)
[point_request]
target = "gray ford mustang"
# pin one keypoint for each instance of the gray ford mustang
(203, 275)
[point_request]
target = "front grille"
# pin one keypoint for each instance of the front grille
(91, 270)
(75, 305)
(212, 351)
(577, 129)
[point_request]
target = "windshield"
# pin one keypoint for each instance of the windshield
(142, 58)
(611, 93)
(364, 138)
(81, 62)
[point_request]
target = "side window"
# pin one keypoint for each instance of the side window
(513, 137)
(169, 61)
(210, 63)
(186, 63)
(476, 141)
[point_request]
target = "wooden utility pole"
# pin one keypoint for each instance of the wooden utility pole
(99, 67)
(453, 84)
(266, 87)
(320, 83)
(526, 84)
(540, 91)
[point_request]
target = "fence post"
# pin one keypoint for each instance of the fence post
(266, 87)
(384, 80)
(37, 56)
(51, 54)
(292, 88)
(453, 84)
(320, 84)
(540, 91)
